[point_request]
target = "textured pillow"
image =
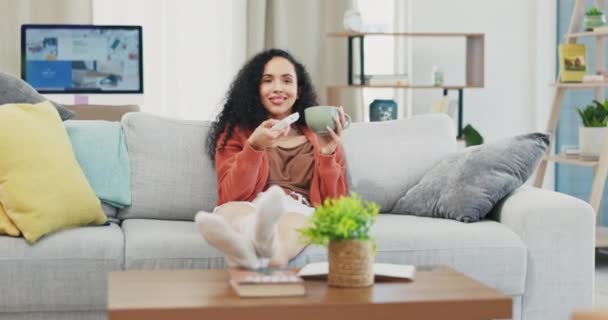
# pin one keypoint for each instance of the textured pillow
(42, 188)
(15, 90)
(465, 186)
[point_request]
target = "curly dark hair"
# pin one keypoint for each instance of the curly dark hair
(243, 106)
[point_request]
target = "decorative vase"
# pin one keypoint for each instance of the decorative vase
(351, 263)
(590, 22)
(591, 141)
(382, 110)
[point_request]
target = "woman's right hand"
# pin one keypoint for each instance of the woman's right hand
(263, 136)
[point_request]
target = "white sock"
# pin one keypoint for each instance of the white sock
(238, 250)
(270, 209)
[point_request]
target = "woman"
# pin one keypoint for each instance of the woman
(269, 179)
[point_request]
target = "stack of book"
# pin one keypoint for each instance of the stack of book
(571, 152)
(266, 283)
(269, 282)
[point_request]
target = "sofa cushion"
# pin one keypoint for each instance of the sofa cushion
(15, 90)
(466, 185)
(385, 159)
(42, 186)
(159, 244)
(64, 271)
(101, 151)
(486, 251)
(172, 176)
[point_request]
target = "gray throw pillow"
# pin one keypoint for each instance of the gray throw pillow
(15, 90)
(466, 185)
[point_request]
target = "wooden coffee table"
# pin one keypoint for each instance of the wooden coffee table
(436, 293)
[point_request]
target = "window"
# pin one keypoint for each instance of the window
(378, 15)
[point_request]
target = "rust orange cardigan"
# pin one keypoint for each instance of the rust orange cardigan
(242, 171)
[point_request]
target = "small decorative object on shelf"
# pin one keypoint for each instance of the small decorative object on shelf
(594, 18)
(387, 79)
(572, 62)
(591, 135)
(352, 21)
(591, 78)
(437, 76)
(343, 224)
(382, 110)
(571, 152)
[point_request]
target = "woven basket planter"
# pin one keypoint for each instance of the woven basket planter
(351, 263)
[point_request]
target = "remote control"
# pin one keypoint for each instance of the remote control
(286, 121)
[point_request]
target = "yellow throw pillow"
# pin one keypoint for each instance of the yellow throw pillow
(6, 225)
(42, 187)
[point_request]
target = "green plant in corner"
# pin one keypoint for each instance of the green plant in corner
(344, 218)
(594, 114)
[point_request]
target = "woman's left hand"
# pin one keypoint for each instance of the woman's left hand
(328, 143)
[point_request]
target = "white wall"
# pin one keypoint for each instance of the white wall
(516, 80)
(192, 50)
(189, 64)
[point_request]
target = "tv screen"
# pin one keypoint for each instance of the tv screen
(82, 58)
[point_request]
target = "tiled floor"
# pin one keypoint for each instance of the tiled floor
(601, 279)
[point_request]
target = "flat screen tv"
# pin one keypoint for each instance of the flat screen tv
(82, 58)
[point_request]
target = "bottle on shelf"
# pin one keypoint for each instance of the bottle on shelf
(437, 76)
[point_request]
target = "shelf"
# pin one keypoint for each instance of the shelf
(587, 34)
(414, 86)
(586, 85)
(562, 159)
(601, 237)
(474, 66)
(405, 34)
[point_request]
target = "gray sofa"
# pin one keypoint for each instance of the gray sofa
(537, 246)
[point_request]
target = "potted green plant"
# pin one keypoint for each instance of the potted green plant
(343, 225)
(591, 135)
(594, 17)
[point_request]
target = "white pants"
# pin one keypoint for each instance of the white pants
(299, 205)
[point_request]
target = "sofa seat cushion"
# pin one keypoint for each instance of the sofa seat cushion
(486, 251)
(64, 271)
(163, 244)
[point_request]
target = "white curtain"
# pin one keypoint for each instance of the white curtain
(14, 13)
(192, 49)
(301, 27)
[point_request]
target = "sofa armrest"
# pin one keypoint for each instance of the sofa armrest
(559, 232)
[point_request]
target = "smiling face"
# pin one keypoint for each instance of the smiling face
(279, 87)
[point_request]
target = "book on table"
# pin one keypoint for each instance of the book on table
(266, 282)
(382, 271)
